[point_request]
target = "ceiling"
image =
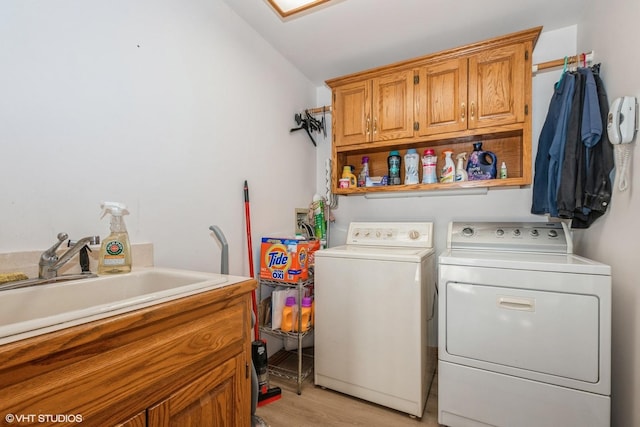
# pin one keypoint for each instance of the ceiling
(347, 36)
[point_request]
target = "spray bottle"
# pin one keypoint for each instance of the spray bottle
(461, 173)
(115, 253)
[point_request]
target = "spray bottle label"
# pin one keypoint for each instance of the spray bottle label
(114, 254)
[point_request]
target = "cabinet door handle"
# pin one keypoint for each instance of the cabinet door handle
(463, 111)
(368, 122)
(375, 125)
(473, 110)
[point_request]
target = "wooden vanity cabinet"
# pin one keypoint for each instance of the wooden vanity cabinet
(181, 363)
(448, 100)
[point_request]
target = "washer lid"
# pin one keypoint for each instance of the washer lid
(387, 253)
(562, 263)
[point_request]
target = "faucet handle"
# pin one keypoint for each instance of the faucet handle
(51, 252)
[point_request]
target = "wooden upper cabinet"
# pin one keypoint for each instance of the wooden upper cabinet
(353, 124)
(441, 101)
(497, 87)
(377, 109)
(482, 90)
(393, 106)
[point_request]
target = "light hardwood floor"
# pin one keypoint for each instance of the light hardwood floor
(322, 407)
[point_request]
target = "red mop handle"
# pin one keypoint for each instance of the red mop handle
(247, 215)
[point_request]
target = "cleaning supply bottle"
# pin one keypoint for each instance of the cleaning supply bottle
(289, 315)
(411, 162)
(448, 170)
(320, 225)
(503, 171)
(364, 173)
(347, 173)
(115, 252)
(481, 164)
(461, 174)
(394, 162)
(305, 315)
(429, 164)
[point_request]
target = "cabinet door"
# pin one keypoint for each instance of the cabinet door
(442, 97)
(220, 398)
(139, 420)
(393, 106)
(352, 113)
(496, 87)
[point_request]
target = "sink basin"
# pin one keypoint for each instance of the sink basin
(35, 310)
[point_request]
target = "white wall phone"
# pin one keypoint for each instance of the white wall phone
(621, 122)
(621, 126)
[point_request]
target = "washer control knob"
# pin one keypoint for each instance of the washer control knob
(553, 233)
(414, 234)
(499, 232)
(467, 231)
(534, 233)
(516, 232)
(378, 234)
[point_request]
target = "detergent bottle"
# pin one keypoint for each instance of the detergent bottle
(289, 318)
(305, 315)
(347, 173)
(394, 162)
(461, 174)
(411, 166)
(429, 164)
(115, 252)
(449, 169)
(481, 164)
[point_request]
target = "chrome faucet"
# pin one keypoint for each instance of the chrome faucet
(49, 261)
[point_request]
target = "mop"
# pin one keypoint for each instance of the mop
(259, 347)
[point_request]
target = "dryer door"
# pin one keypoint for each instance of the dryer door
(552, 333)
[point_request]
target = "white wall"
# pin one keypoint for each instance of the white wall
(165, 105)
(497, 204)
(611, 30)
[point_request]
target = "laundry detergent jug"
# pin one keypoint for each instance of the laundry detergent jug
(481, 164)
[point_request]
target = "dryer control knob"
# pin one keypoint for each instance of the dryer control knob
(553, 233)
(467, 231)
(534, 233)
(414, 234)
(500, 232)
(516, 232)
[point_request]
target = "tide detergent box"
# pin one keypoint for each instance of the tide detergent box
(284, 260)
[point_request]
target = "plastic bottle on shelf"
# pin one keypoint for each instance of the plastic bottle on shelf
(289, 315)
(411, 162)
(348, 174)
(429, 163)
(394, 162)
(461, 173)
(364, 173)
(503, 171)
(305, 315)
(449, 169)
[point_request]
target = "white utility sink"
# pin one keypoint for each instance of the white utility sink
(40, 309)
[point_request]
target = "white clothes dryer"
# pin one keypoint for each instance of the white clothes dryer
(373, 300)
(524, 328)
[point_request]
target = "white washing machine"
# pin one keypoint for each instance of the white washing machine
(373, 299)
(524, 329)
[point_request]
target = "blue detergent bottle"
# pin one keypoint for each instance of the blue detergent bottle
(481, 164)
